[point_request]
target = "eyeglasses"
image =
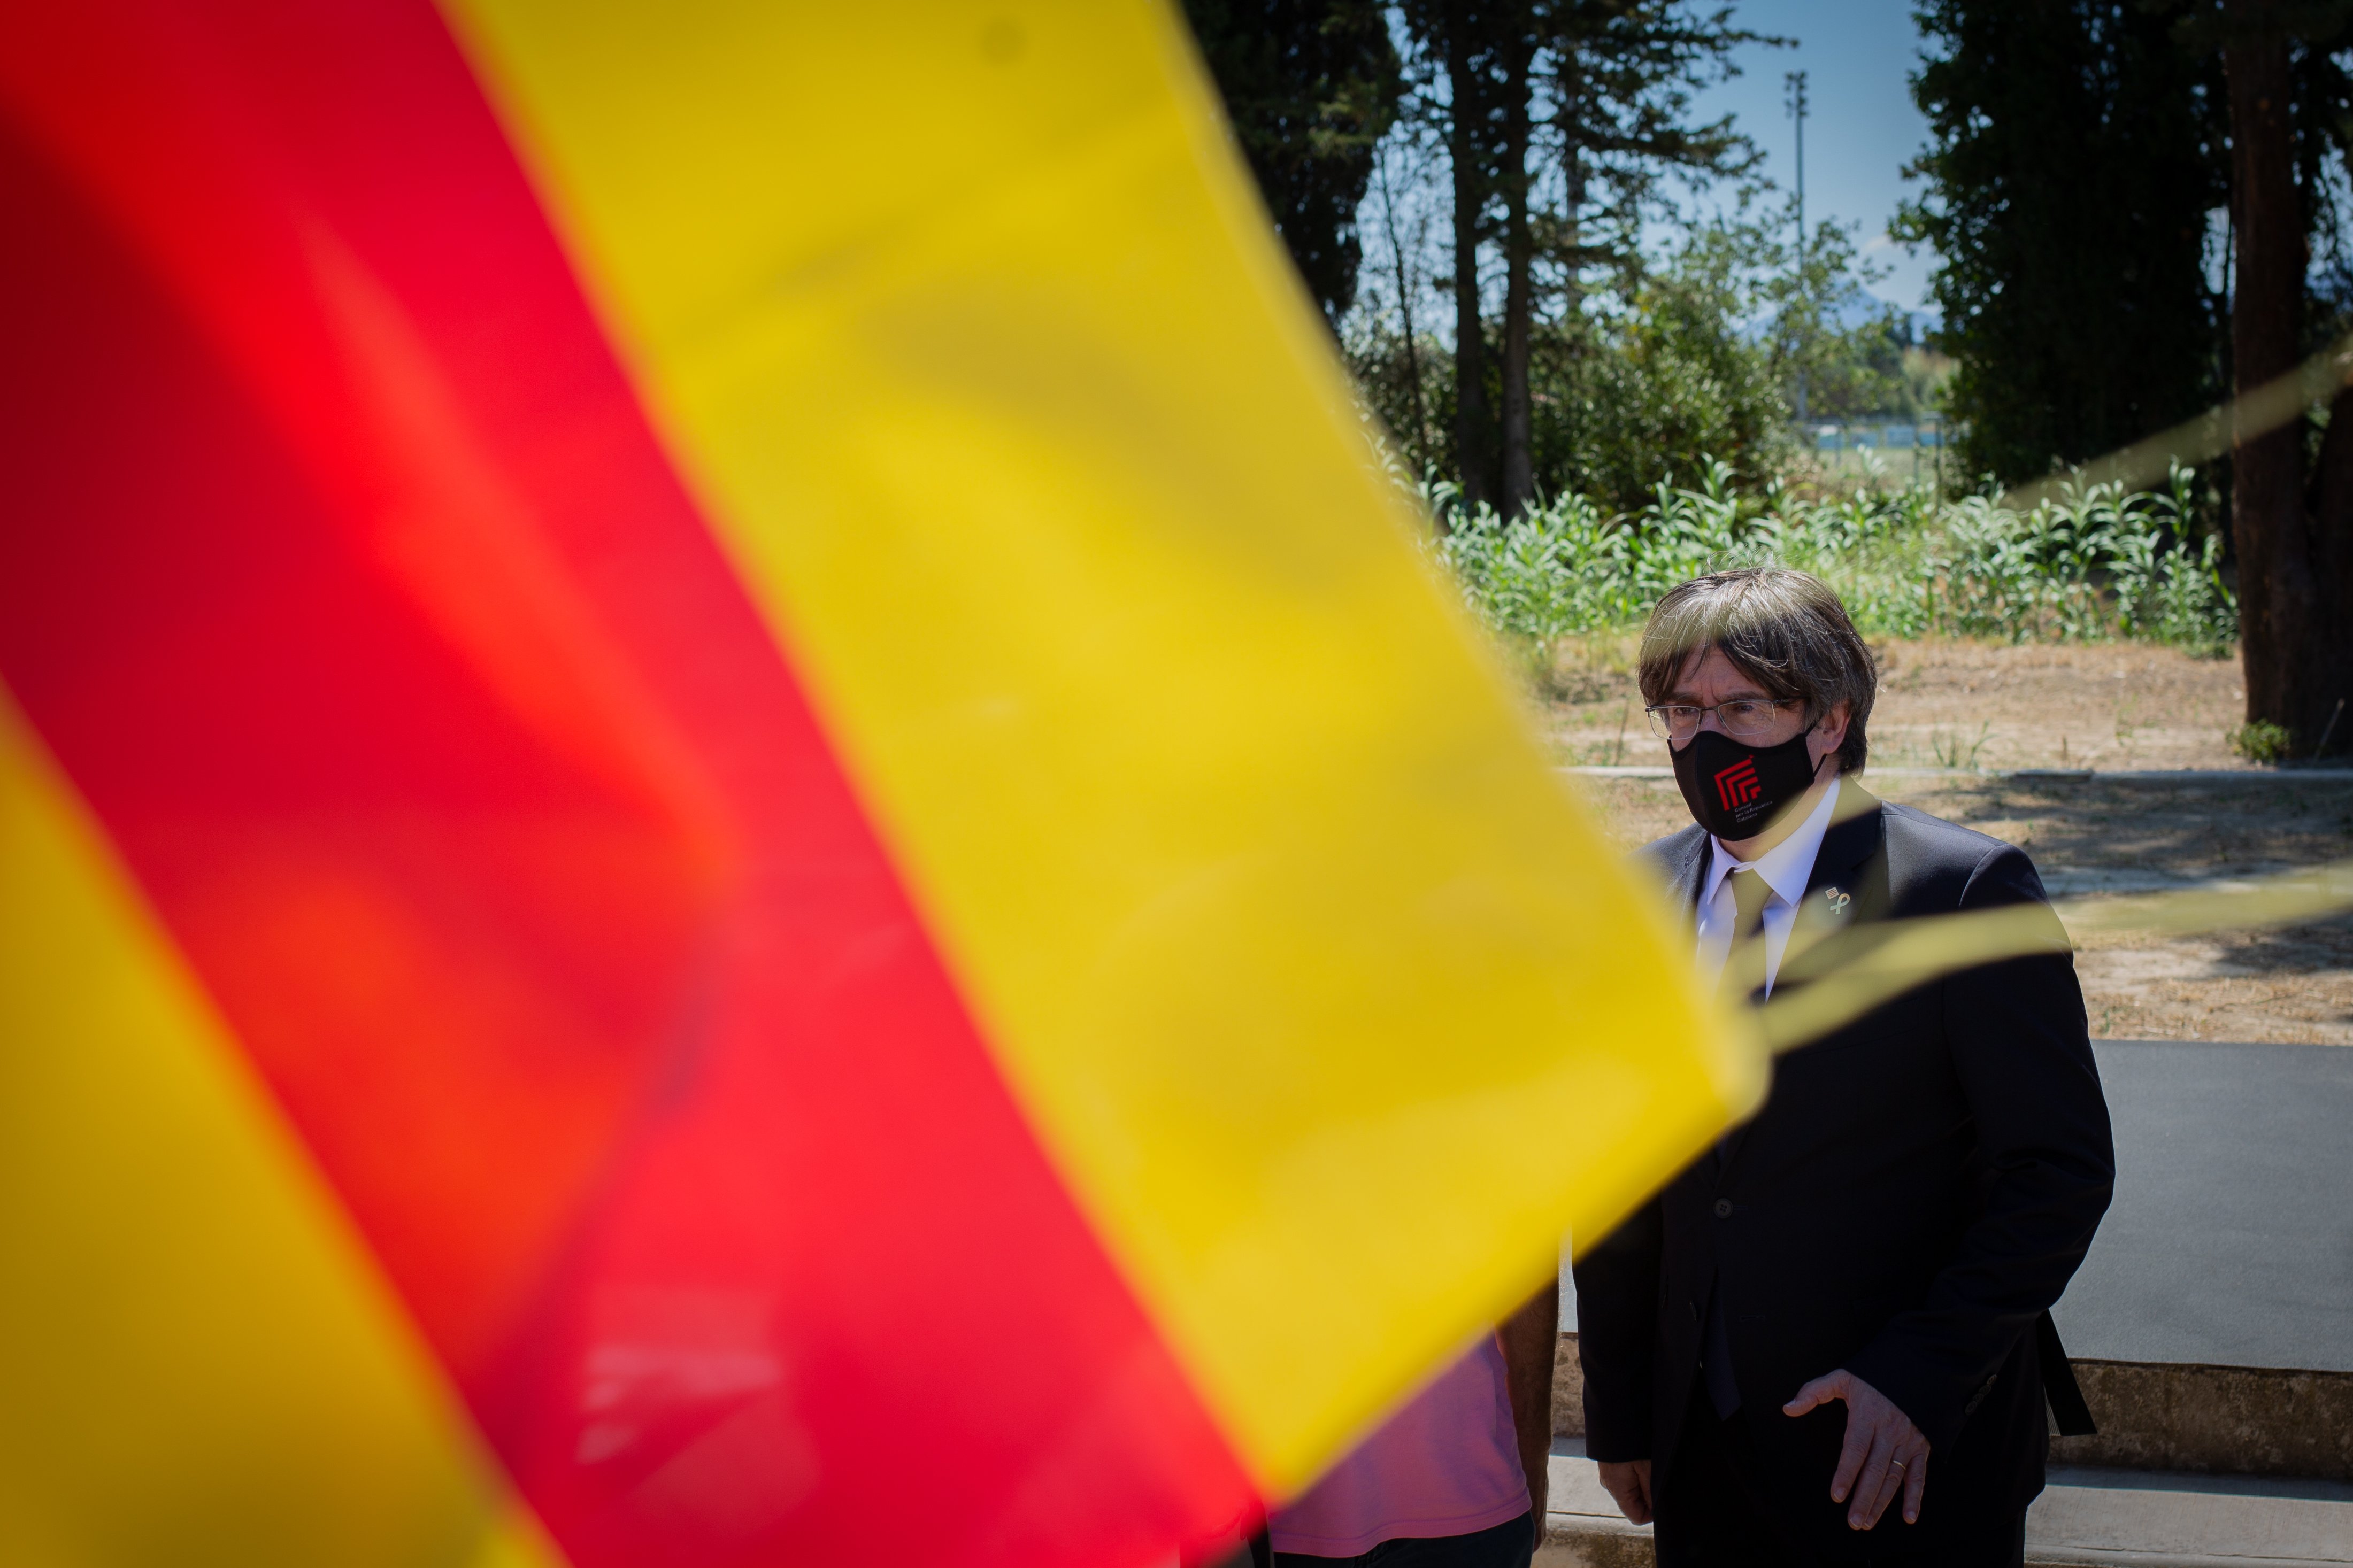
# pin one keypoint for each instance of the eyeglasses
(1746, 719)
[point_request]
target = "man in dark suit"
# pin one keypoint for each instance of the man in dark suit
(1828, 1339)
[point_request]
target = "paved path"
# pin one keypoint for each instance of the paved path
(2167, 777)
(2231, 1240)
(2084, 1516)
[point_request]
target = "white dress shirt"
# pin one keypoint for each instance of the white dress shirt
(1785, 868)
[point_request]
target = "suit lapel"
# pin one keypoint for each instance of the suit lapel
(1687, 863)
(1855, 837)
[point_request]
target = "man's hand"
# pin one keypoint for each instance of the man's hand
(1884, 1450)
(1630, 1483)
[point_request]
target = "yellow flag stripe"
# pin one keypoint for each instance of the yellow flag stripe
(965, 326)
(200, 1362)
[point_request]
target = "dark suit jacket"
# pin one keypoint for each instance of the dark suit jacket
(1915, 1192)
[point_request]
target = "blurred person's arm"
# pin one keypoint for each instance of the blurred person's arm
(1531, 1340)
(1616, 1333)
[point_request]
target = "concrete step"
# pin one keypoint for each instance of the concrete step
(2216, 1420)
(1583, 1528)
(2135, 1519)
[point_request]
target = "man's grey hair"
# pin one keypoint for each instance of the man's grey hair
(1783, 630)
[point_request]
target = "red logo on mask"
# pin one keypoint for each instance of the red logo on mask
(1737, 786)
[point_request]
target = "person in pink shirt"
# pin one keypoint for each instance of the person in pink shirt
(1452, 1479)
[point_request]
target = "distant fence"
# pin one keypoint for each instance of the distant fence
(1888, 436)
(1902, 452)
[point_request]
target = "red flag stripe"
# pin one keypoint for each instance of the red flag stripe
(350, 588)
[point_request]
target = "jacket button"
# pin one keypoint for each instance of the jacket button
(1723, 1208)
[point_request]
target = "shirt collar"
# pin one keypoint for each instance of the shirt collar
(1787, 866)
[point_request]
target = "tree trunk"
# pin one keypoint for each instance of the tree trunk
(1568, 119)
(2268, 520)
(2326, 666)
(1406, 286)
(1531, 1338)
(1572, 204)
(1464, 145)
(1519, 473)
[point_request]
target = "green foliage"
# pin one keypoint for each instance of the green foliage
(2091, 565)
(1310, 87)
(2261, 741)
(1620, 88)
(1820, 323)
(1557, 121)
(1661, 374)
(1691, 355)
(2075, 152)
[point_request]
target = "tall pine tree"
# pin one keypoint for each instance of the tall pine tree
(2076, 150)
(1309, 86)
(2291, 107)
(1620, 76)
(1604, 87)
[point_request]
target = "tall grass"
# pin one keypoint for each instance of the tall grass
(2092, 565)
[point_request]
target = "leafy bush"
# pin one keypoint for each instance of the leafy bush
(2260, 741)
(2089, 566)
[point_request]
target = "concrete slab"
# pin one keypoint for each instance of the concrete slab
(2085, 1516)
(2155, 1416)
(1583, 1528)
(2231, 1240)
(2137, 1517)
(2216, 1420)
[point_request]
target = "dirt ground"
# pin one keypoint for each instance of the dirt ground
(2102, 709)
(1966, 705)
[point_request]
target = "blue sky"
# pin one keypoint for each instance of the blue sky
(1860, 132)
(1861, 129)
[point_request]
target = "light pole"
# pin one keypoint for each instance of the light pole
(1797, 80)
(1797, 83)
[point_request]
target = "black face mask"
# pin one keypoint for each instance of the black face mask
(1736, 791)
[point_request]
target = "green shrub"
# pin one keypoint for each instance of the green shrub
(2091, 565)
(2260, 740)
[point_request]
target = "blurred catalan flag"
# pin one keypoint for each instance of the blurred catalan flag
(732, 830)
